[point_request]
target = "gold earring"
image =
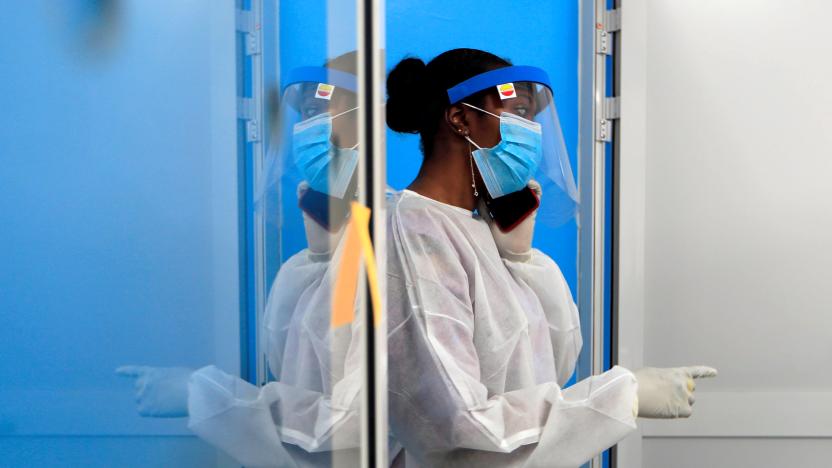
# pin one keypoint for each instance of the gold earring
(473, 179)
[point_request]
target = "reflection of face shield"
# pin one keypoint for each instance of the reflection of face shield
(316, 136)
(531, 140)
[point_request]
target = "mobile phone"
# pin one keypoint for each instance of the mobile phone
(511, 209)
(328, 211)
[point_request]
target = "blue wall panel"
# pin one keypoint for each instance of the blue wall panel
(527, 32)
(544, 34)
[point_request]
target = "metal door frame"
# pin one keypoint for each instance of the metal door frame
(598, 112)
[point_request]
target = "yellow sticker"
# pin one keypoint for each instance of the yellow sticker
(324, 91)
(506, 91)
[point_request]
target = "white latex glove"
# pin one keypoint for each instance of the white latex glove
(161, 392)
(516, 244)
(668, 393)
(321, 242)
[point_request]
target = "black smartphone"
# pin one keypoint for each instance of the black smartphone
(326, 210)
(511, 209)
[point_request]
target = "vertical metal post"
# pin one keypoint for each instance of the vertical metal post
(616, 171)
(250, 110)
(596, 43)
(586, 148)
(372, 183)
(379, 226)
(590, 219)
(598, 200)
(254, 49)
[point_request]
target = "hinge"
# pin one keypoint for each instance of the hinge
(246, 111)
(247, 24)
(244, 21)
(604, 30)
(252, 131)
(245, 108)
(612, 20)
(610, 110)
(253, 43)
(603, 42)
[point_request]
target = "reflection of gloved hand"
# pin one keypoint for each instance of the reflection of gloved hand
(321, 242)
(161, 392)
(516, 244)
(668, 393)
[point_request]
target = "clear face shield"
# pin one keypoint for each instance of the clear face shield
(315, 145)
(531, 143)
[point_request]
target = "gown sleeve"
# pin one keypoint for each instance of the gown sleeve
(545, 278)
(440, 409)
(313, 408)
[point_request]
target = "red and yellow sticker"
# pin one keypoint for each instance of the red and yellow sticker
(506, 91)
(324, 91)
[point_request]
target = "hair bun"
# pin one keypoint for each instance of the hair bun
(406, 89)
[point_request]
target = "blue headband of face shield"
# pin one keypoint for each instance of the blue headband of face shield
(496, 77)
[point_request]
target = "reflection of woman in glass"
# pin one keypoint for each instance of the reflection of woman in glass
(308, 416)
(311, 410)
(483, 331)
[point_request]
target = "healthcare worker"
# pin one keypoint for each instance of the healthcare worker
(308, 416)
(483, 331)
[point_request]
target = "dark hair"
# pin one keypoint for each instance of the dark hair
(417, 93)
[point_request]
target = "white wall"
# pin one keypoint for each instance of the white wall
(725, 170)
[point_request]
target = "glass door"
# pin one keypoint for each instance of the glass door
(311, 102)
(474, 330)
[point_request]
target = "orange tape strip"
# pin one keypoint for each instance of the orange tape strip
(346, 282)
(356, 243)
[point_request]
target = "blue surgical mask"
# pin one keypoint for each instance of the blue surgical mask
(326, 168)
(508, 166)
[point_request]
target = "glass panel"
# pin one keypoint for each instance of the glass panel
(175, 226)
(310, 345)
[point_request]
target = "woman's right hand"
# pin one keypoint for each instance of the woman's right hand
(668, 393)
(320, 241)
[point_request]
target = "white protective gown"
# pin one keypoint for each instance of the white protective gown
(310, 415)
(479, 347)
